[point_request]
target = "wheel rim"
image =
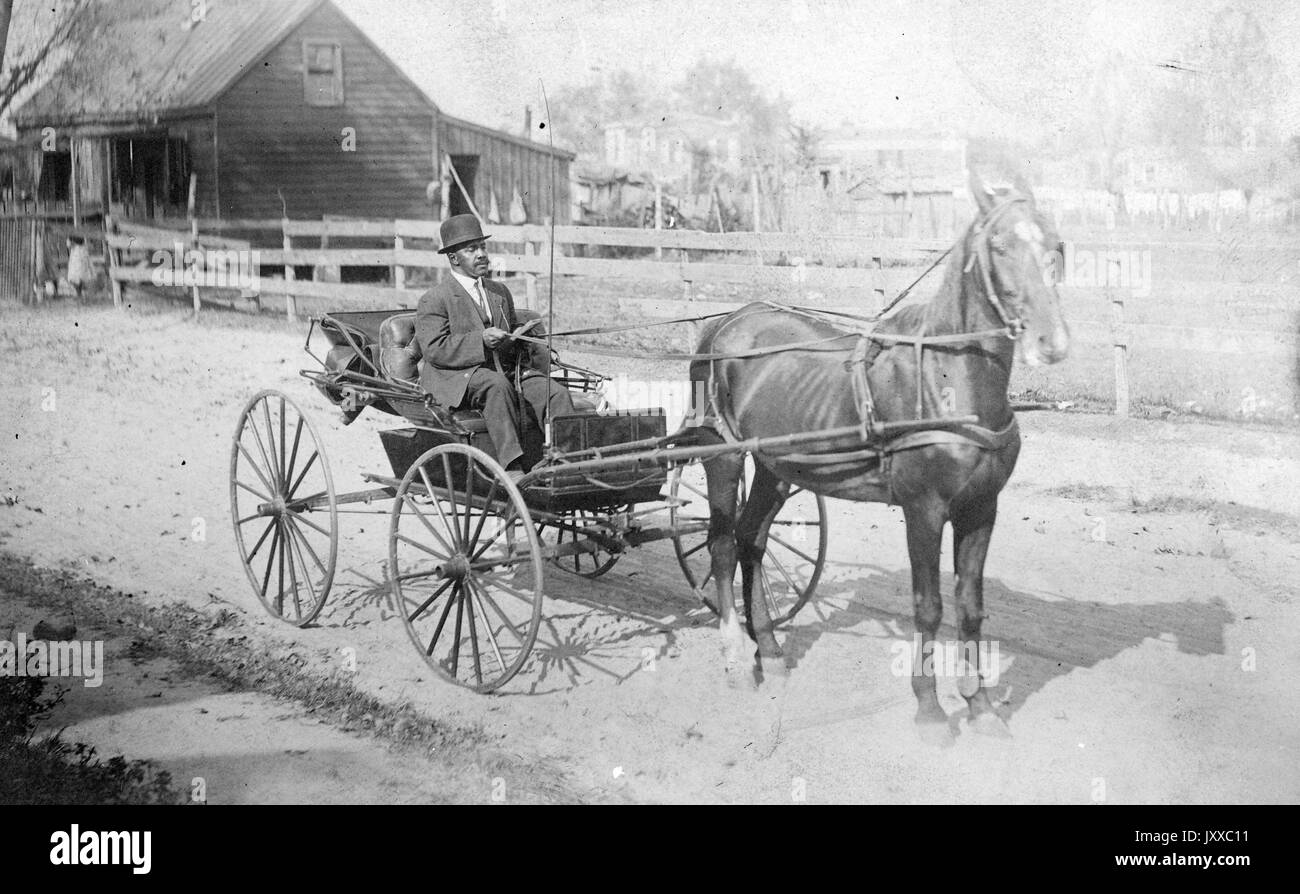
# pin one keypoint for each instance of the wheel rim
(289, 550)
(796, 547)
(465, 566)
(589, 564)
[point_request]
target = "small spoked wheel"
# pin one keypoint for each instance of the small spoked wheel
(465, 566)
(283, 504)
(796, 542)
(580, 553)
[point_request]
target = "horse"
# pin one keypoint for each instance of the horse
(925, 390)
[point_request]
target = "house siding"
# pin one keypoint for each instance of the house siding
(270, 139)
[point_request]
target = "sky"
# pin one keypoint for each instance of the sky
(996, 67)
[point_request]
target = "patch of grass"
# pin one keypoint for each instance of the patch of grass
(51, 770)
(211, 646)
(1225, 513)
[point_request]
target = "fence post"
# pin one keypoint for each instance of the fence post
(110, 262)
(530, 276)
(693, 328)
(194, 244)
(399, 270)
(544, 249)
(1119, 335)
(289, 274)
(659, 217)
(194, 240)
(879, 291)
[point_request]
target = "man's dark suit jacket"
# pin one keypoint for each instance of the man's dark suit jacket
(449, 328)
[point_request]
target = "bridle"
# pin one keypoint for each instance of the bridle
(982, 255)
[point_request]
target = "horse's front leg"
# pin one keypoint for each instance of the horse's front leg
(767, 494)
(925, 520)
(723, 475)
(972, 529)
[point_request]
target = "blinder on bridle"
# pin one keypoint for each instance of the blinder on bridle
(985, 240)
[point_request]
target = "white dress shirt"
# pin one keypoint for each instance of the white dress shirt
(478, 292)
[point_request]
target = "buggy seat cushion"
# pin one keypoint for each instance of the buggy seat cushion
(399, 351)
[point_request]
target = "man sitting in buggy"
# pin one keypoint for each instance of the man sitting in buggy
(464, 327)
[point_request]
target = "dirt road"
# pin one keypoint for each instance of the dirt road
(1140, 591)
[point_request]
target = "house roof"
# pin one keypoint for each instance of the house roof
(135, 61)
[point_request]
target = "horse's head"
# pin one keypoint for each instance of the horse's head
(1014, 249)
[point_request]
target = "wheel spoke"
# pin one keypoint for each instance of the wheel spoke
(473, 633)
(505, 620)
(279, 596)
(497, 582)
(451, 497)
(798, 590)
(270, 437)
(428, 602)
(420, 546)
(693, 489)
(437, 507)
(252, 462)
(487, 624)
(769, 594)
(293, 578)
(254, 491)
(284, 473)
(695, 549)
(293, 456)
(270, 524)
(446, 610)
(478, 529)
(311, 524)
(798, 552)
(296, 550)
(303, 474)
(469, 503)
(293, 530)
(420, 515)
(270, 561)
(507, 524)
(460, 615)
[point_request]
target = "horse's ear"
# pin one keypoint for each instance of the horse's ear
(984, 196)
(1021, 184)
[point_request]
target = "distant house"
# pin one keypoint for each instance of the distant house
(896, 182)
(273, 106)
(674, 149)
(853, 157)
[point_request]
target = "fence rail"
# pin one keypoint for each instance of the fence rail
(868, 265)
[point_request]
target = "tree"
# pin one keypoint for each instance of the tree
(22, 64)
(581, 112)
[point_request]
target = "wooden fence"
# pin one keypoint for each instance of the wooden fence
(676, 263)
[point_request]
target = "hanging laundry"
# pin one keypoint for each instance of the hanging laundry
(518, 215)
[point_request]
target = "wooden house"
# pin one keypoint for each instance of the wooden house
(273, 107)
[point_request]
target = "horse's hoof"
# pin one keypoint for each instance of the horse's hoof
(936, 735)
(772, 670)
(740, 676)
(991, 725)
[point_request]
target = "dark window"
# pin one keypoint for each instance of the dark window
(178, 172)
(467, 168)
(322, 73)
(56, 177)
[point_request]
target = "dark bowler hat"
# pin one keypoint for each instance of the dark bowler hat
(459, 230)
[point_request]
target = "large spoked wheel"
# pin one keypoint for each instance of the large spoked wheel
(583, 555)
(283, 504)
(796, 542)
(465, 564)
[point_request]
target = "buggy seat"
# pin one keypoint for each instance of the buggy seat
(399, 358)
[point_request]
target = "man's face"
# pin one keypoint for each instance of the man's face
(471, 259)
